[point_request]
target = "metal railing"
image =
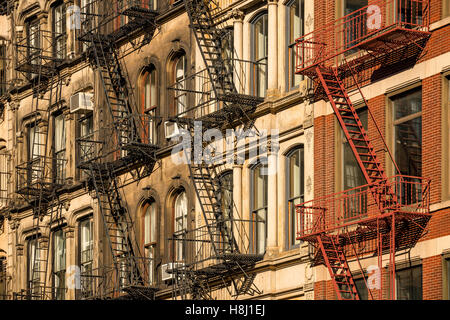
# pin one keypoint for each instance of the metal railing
(358, 205)
(39, 174)
(197, 90)
(117, 140)
(360, 27)
(35, 56)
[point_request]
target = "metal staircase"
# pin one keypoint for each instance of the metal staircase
(123, 147)
(222, 257)
(396, 209)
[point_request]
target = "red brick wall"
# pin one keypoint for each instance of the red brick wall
(432, 278)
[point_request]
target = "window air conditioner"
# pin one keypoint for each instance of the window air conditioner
(81, 103)
(167, 270)
(171, 129)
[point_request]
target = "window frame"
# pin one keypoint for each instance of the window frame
(291, 47)
(62, 271)
(261, 61)
(254, 228)
(181, 233)
(291, 215)
(151, 111)
(89, 263)
(151, 246)
(404, 119)
(59, 38)
(59, 156)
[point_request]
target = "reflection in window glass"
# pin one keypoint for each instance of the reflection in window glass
(409, 283)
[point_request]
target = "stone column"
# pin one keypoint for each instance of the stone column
(70, 28)
(238, 27)
(272, 54)
(272, 216)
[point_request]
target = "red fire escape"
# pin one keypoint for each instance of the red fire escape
(386, 215)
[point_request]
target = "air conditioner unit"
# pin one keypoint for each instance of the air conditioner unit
(167, 270)
(81, 103)
(171, 129)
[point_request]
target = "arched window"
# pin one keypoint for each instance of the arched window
(150, 237)
(259, 55)
(148, 91)
(179, 75)
(259, 196)
(295, 23)
(180, 224)
(295, 192)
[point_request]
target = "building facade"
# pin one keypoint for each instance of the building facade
(55, 238)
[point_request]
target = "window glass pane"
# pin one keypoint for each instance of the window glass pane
(180, 212)
(260, 38)
(409, 283)
(260, 185)
(362, 289)
(295, 191)
(59, 264)
(153, 89)
(408, 132)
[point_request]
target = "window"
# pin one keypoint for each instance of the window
(2, 68)
(149, 100)
(180, 70)
(409, 283)
(180, 225)
(150, 237)
(85, 150)
(259, 55)
(59, 146)
(408, 132)
(226, 197)
(86, 9)
(295, 18)
(33, 39)
(295, 191)
(59, 265)
(353, 176)
(85, 256)
(410, 13)
(355, 26)
(59, 31)
(259, 186)
(33, 268)
(34, 153)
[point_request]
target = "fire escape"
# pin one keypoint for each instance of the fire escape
(220, 246)
(39, 177)
(388, 214)
(122, 148)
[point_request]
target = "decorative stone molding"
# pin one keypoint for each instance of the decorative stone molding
(237, 15)
(69, 232)
(19, 250)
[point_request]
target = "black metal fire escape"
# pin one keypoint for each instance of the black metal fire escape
(124, 147)
(220, 259)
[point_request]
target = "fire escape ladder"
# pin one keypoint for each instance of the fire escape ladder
(357, 138)
(336, 262)
(118, 227)
(202, 16)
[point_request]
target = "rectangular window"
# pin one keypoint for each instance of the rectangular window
(408, 132)
(59, 265)
(259, 208)
(353, 177)
(33, 38)
(33, 272)
(34, 165)
(295, 31)
(85, 150)
(259, 56)
(86, 17)
(59, 145)
(296, 192)
(59, 31)
(85, 247)
(447, 266)
(150, 239)
(361, 287)
(409, 283)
